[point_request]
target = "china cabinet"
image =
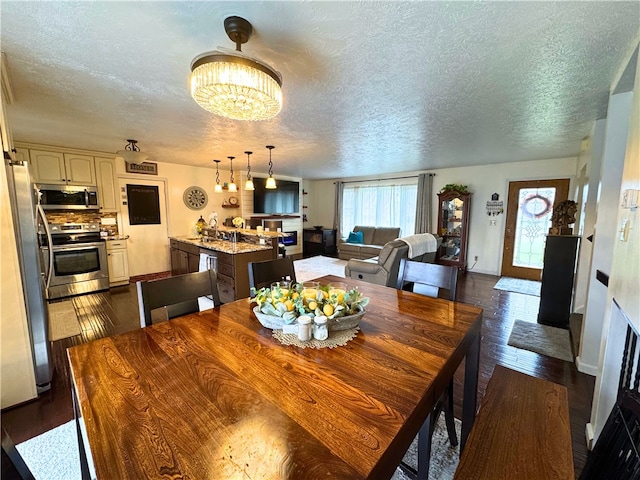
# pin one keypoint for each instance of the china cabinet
(453, 226)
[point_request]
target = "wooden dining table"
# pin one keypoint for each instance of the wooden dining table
(213, 395)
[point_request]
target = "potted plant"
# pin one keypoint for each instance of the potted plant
(454, 187)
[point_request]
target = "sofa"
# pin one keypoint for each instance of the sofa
(383, 269)
(374, 238)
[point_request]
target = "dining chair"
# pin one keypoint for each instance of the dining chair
(263, 274)
(178, 294)
(430, 279)
(13, 465)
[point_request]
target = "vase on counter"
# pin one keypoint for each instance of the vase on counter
(200, 224)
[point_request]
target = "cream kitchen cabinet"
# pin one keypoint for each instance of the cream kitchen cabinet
(118, 262)
(106, 179)
(62, 168)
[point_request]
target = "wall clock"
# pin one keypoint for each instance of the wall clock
(195, 198)
(233, 201)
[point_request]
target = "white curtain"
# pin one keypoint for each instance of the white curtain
(389, 203)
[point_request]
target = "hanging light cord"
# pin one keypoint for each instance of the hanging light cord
(270, 147)
(248, 166)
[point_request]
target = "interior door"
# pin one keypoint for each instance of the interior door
(529, 208)
(148, 243)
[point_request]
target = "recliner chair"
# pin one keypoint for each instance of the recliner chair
(381, 270)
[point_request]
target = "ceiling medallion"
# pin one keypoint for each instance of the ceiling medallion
(233, 85)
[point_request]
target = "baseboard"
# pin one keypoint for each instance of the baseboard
(588, 433)
(586, 368)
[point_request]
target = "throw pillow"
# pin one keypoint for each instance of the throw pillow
(355, 237)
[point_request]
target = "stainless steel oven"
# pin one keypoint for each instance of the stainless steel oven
(75, 259)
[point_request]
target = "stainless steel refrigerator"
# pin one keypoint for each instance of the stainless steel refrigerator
(26, 212)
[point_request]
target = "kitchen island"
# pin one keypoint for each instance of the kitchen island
(229, 258)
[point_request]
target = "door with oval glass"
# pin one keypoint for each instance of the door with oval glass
(529, 208)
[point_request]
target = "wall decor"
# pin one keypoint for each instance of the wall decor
(495, 206)
(146, 168)
(195, 198)
(144, 204)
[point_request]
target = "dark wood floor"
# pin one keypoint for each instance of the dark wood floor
(116, 311)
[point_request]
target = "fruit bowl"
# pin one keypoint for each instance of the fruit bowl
(334, 325)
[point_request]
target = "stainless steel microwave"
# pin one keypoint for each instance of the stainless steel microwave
(68, 197)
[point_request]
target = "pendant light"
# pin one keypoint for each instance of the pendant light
(232, 185)
(218, 187)
(233, 85)
(271, 182)
(249, 183)
(131, 153)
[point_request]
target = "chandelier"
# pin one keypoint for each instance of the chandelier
(132, 153)
(233, 85)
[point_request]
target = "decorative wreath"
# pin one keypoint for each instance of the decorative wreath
(530, 200)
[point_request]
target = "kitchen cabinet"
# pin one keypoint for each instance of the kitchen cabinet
(185, 257)
(453, 227)
(62, 168)
(118, 262)
(106, 181)
(318, 241)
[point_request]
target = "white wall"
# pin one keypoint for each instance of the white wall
(624, 280)
(593, 162)
(485, 240)
(615, 143)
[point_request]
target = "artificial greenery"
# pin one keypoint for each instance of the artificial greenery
(454, 187)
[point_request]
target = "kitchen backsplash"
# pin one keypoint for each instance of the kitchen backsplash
(69, 216)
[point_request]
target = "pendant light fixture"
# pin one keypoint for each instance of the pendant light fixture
(132, 153)
(249, 183)
(271, 182)
(218, 187)
(233, 85)
(232, 185)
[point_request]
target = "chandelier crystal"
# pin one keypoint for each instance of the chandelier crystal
(234, 86)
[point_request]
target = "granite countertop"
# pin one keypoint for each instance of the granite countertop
(224, 246)
(116, 237)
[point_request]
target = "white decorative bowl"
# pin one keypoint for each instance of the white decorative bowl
(334, 325)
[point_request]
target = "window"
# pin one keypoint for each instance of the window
(386, 203)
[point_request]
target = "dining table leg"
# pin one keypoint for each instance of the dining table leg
(470, 395)
(84, 464)
(424, 449)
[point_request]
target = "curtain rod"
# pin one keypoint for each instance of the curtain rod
(385, 179)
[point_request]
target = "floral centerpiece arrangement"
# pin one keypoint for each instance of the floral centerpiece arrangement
(284, 303)
(238, 222)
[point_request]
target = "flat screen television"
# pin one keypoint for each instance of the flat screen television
(283, 200)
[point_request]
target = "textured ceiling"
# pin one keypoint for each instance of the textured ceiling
(369, 87)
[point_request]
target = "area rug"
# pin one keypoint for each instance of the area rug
(63, 321)
(549, 341)
(518, 285)
(319, 266)
(54, 454)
